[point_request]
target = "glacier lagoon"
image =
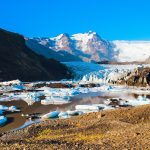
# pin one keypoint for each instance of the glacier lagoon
(90, 91)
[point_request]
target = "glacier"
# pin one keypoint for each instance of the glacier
(130, 51)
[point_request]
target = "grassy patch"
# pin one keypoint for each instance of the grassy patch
(58, 134)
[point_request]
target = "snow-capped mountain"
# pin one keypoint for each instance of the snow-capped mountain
(62, 42)
(86, 46)
(90, 47)
(93, 45)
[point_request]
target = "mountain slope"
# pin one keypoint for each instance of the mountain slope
(17, 61)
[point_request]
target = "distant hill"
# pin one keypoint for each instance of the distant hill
(17, 61)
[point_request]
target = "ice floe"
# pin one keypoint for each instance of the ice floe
(1, 112)
(55, 100)
(3, 108)
(3, 120)
(86, 107)
(53, 114)
(13, 82)
(11, 108)
(63, 115)
(74, 112)
(141, 100)
(32, 97)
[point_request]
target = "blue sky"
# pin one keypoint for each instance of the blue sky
(111, 19)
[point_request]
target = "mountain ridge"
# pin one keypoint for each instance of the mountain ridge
(90, 47)
(87, 46)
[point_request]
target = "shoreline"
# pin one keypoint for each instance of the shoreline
(15, 120)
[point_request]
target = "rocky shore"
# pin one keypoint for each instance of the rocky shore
(125, 128)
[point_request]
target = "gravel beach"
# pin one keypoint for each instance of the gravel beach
(125, 128)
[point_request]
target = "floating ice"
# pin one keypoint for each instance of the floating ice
(63, 115)
(55, 100)
(4, 108)
(13, 82)
(53, 114)
(1, 112)
(18, 87)
(32, 97)
(141, 100)
(3, 120)
(13, 109)
(86, 107)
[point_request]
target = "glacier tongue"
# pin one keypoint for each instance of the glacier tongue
(95, 73)
(107, 75)
(82, 68)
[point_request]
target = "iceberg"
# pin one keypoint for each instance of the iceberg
(136, 102)
(55, 100)
(13, 82)
(1, 112)
(13, 109)
(3, 108)
(53, 114)
(86, 107)
(63, 115)
(32, 97)
(3, 120)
